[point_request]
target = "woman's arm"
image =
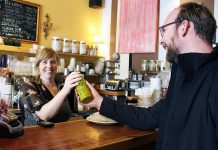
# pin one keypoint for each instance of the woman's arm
(50, 109)
(44, 108)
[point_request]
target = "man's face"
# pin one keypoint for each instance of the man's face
(169, 37)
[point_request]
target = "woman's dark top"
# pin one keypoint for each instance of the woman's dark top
(33, 97)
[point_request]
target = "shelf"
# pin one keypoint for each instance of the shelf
(14, 49)
(113, 61)
(26, 50)
(112, 67)
(112, 74)
(149, 72)
(78, 55)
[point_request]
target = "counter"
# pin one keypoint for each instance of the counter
(79, 134)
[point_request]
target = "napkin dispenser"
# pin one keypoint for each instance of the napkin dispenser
(10, 126)
(115, 85)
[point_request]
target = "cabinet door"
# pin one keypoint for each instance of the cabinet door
(137, 26)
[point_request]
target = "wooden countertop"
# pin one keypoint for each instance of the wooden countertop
(112, 93)
(79, 134)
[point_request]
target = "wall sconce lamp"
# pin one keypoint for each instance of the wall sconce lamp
(46, 26)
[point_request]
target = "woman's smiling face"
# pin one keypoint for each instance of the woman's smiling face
(48, 68)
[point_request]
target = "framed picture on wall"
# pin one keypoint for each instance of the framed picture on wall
(137, 29)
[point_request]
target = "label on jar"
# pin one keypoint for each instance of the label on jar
(75, 47)
(83, 47)
(56, 44)
(66, 45)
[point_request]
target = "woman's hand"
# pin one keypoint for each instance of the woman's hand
(97, 98)
(71, 81)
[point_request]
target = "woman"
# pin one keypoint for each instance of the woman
(43, 100)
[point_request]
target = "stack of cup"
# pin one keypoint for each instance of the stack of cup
(62, 65)
(155, 83)
(72, 64)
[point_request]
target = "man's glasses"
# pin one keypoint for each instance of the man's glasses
(161, 28)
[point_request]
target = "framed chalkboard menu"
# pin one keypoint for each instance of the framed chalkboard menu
(19, 19)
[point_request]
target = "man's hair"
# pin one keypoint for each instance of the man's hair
(201, 17)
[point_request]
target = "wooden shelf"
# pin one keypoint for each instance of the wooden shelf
(14, 49)
(78, 55)
(26, 50)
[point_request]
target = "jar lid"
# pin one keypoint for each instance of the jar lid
(56, 38)
(66, 39)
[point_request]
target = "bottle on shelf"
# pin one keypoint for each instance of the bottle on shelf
(130, 73)
(8, 89)
(91, 50)
(96, 51)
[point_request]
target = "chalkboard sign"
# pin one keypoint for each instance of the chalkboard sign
(19, 19)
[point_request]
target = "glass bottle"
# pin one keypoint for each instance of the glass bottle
(84, 92)
(8, 89)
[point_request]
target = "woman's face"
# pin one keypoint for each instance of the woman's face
(48, 68)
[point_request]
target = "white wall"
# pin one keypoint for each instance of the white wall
(216, 17)
(166, 6)
(106, 27)
(124, 58)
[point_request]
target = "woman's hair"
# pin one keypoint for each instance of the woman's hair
(201, 17)
(42, 55)
(45, 54)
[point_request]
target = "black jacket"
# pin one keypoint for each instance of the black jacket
(188, 118)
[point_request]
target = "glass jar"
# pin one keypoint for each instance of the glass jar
(56, 43)
(84, 92)
(66, 45)
(75, 47)
(82, 50)
(144, 65)
(152, 66)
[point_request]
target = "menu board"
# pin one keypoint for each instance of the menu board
(19, 20)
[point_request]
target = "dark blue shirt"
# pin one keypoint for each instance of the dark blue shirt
(188, 118)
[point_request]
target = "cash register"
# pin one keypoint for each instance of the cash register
(10, 126)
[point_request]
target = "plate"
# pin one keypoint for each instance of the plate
(100, 119)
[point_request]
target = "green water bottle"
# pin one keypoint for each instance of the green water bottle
(83, 91)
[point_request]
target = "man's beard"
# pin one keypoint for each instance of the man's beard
(172, 56)
(172, 51)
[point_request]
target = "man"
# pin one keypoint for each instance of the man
(187, 118)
